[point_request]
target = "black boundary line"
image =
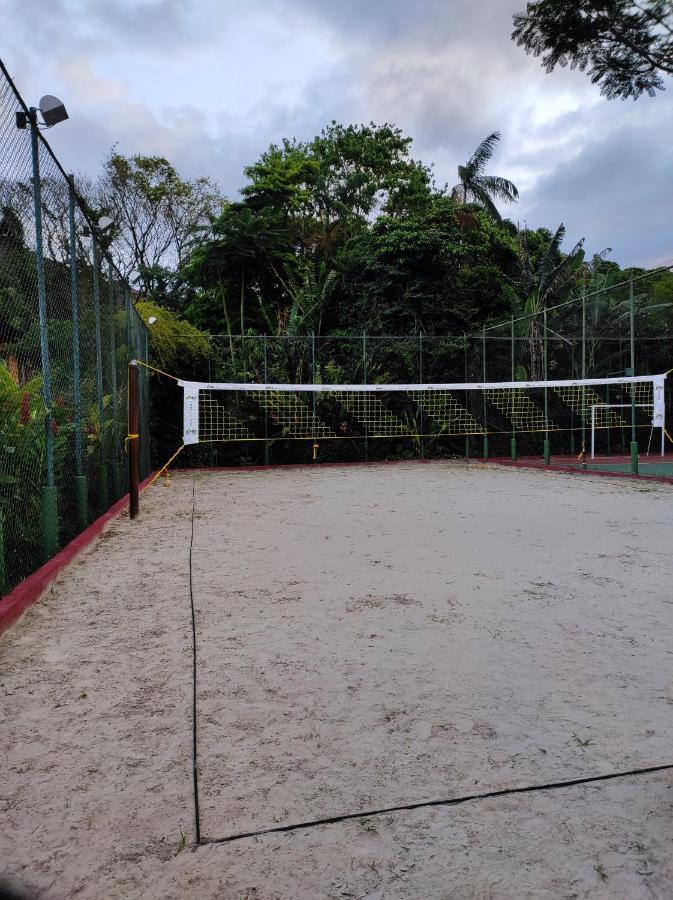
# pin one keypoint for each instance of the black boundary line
(455, 801)
(195, 772)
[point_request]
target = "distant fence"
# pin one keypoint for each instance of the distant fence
(601, 333)
(68, 328)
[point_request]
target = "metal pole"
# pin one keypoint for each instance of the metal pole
(211, 446)
(421, 442)
(583, 408)
(114, 462)
(49, 492)
(632, 336)
(103, 498)
(267, 446)
(133, 439)
(314, 442)
(467, 393)
(547, 447)
(81, 491)
(145, 409)
(364, 381)
(483, 360)
(513, 439)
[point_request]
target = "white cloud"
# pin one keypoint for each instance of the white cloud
(210, 84)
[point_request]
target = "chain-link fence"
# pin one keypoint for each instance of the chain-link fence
(68, 328)
(616, 330)
(602, 333)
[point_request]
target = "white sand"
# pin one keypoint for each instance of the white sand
(367, 637)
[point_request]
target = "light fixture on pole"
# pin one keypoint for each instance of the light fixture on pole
(52, 111)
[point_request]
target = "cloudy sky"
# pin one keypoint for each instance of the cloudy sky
(211, 83)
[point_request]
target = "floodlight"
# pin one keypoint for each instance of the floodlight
(151, 320)
(104, 223)
(53, 110)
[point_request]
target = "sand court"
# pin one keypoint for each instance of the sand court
(367, 637)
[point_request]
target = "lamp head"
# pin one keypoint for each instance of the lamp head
(53, 110)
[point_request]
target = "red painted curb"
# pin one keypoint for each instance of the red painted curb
(29, 590)
(531, 464)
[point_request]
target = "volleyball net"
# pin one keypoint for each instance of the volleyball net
(235, 411)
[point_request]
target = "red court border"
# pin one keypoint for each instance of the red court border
(28, 591)
(576, 470)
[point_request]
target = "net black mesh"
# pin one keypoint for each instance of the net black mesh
(68, 329)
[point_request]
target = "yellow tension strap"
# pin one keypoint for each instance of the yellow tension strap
(164, 468)
(668, 436)
(129, 437)
(154, 369)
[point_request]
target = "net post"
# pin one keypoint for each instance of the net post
(513, 438)
(483, 359)
(133, 439)
(467, 437)
(632, 339)
(421, 443)
(546, 447)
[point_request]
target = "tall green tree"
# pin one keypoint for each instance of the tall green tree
(546, 281)
(435, 272)
(476, 187)
(626, 47)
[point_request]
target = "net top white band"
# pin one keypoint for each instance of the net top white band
(388, 388)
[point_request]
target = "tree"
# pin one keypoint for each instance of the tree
(157, 216)
(437, 272)
(329, 188)
(626, 47)
(476, 187)
(546, 281)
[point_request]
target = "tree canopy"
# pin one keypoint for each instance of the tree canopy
(626, 47)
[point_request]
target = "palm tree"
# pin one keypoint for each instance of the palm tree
(544, 285)
(475, 187)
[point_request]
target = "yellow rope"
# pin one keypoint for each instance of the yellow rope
(154, 369)
(165, 467)
(129, 437)
(668, 436)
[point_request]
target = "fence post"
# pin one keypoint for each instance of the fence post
(547, 446)
(3, 571)
(49, 491)
(114, 461)
(467, 436)
(513, 440)
(267, 445)
(632, 339)
(103, 497)
(421, 441)
(81, 490)
(364, 381)
(583, 408)
(133, 438)
(483, 361)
